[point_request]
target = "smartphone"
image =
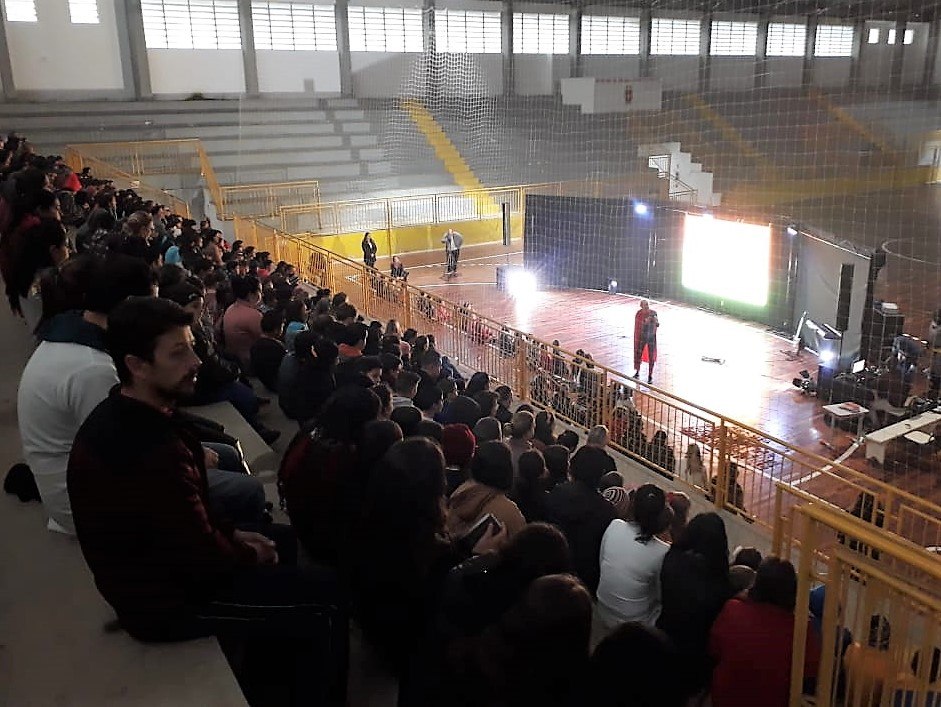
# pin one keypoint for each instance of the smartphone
(479, 530)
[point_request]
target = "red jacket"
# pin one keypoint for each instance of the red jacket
(751, 645)
(137, 484)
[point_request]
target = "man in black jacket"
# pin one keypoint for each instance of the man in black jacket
(171, 568)
(582, 513)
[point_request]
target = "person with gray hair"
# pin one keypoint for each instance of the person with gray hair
(598, 437)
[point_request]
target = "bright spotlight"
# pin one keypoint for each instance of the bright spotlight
(640, 208)
(613, 287)
(521, 284)
(826, 356)
(791, 231)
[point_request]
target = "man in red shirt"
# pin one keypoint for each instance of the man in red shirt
(752, 638)
(645, 337)
(169, 566)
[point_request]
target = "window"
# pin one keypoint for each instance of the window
(540, 34)
(191, 24)
(786, 39)
(294, 26)
(386, 29)
(20, 10)
(677, 37)
(873, 36)
(460, 32)
(610, 35)
(834, 40)
(83, 12)
(909, 36)
(734, 38)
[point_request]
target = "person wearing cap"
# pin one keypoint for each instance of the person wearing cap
(458, 444)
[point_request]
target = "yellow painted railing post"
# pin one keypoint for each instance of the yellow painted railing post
(407, 308)
(522, 370)
(363, 277)
(804, 578)
(722, 473)
(777, 532)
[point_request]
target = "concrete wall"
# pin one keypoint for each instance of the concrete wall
(289, 72)
(208, 71)
(611, 67)
(55, 55)
(731, 73)
(831, 72)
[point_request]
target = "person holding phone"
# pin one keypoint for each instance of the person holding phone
(403, 551)
(485, 494)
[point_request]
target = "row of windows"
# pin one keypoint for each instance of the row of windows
(81, 12)
(304, 26)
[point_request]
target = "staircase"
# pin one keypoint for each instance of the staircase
(450, 156)
(688, 182)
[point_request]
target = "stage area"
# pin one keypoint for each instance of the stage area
(752, 385)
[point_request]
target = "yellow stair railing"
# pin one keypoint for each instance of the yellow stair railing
(448, 153)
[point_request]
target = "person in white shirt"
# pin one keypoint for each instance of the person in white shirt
(631, 558)
(68, 375)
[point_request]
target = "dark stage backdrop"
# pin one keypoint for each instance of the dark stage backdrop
(582, 242)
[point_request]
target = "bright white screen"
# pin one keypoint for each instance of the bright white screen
(727, 259)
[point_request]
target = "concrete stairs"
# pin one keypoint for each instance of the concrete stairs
(684, 173)
(450, 156)
(249, 141)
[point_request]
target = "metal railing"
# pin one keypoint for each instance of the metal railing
(443, 207)
(128, 162)
(744, 470)
(866, 574)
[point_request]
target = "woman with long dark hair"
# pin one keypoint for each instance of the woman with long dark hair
(694, 586)
(402, 553)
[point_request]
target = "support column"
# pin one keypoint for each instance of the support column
(249, 58)
(705, 52)
(575, 38)
(898, 54)
(859, 44)
(137, 47)
(340, 11)
(509, 59)
(808, 73)
(644, 44)
(434, 75)
(931, 54)
(428, 26)
(761, 52)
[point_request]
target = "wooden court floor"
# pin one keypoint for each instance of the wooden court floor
(752, 384)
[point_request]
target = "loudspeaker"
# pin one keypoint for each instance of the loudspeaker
(847, 271)
(505, 213)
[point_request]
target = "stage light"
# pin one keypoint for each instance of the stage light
(640, 208)
(826, 356)
(521, 284)
(791, 231)
(613, 287)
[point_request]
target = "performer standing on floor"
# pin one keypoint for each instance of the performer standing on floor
(369, 251)
(645, 337)
(452, 250)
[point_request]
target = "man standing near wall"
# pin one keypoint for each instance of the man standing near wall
(452, 250)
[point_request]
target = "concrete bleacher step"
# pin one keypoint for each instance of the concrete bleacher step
(260, 458)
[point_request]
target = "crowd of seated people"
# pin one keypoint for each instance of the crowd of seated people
(472, 542)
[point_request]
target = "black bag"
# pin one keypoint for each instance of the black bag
(21, 482)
